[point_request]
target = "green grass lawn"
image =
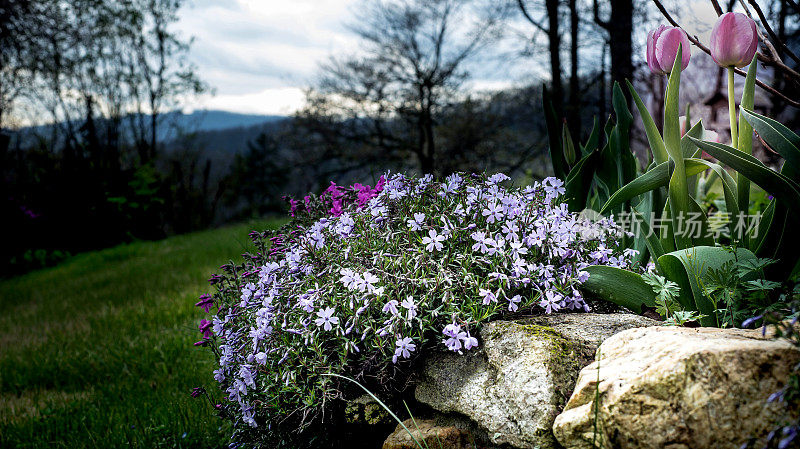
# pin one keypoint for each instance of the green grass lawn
(97, 352)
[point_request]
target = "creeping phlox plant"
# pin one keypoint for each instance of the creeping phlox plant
(409, 265)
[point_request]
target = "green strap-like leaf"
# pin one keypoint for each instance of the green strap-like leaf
(776, 184)
(622, 287)
(554, 136)
(690, 150)
(579, 181)
(746, 136)
(594, 139)
(778, 137)
(654, 178)
(728, 189)
(657, 148)
(651, 240)
(678, 187)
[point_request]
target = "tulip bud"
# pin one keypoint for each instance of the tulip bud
(662, 47)
(734, 40)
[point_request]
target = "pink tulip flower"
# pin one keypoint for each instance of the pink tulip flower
(662, 47)
(734, 40)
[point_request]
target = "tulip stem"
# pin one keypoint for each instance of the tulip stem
(732, 109)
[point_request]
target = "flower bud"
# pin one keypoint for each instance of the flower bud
(734, 40)
(662, 47)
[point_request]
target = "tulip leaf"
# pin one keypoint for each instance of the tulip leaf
(554, 136)
(690, 150)
(654, 178)
(746, 135)
(657, 148)
(778, 137)
(594, 139)
(622, 287)
(775, 183)
(651, 239)
(579, 181)
(678, 188)
(728, 187)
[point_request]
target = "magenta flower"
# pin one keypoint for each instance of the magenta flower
(205, 303)
(662, 47)
(205, 328)
(734, 40)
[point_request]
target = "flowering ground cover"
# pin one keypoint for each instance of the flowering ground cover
(93, 352)
(371, 278)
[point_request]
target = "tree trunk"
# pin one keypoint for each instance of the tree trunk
(619, 34)
(554, 38)
(574, 107)
(153, 135)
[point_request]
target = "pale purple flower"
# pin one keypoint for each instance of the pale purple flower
(369, 281)
(551, 301)
(434, 241)
(497, 178)
(326, 319)
(488, 296)
(513, 303)
(410, 307)
(455, 335)
(470, 342)
(493, 212)
(391, 307)
(416, 223)
(482, 242)
(405, 347)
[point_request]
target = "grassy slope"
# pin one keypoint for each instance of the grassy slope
(98, 352)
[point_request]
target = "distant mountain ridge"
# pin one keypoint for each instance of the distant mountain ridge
(175, 123)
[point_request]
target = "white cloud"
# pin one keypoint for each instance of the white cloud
(270, 101)
(259, 54)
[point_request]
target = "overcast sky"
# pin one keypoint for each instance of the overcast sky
(258, 55)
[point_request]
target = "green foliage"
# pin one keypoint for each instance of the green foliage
(601, 170)
(666, 294)
(97, 352)
(713, 281)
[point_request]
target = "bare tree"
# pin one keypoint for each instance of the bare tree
(414, 62)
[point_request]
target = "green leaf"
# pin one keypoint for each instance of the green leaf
(728, 188)
(594, 139)
(777, 184)
(652, 241)
(746, 136)
(688, 267)
(553, 134)
(654, 178)
(622, 287)
(690, 150)
(569, 147)
(776, 135)
(657, 148)
(579, 181)
(678, 187)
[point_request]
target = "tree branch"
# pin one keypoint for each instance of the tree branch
(772, 34)
(528, 16)
(596, 11)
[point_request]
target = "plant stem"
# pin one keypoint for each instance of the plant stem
(732, 109)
